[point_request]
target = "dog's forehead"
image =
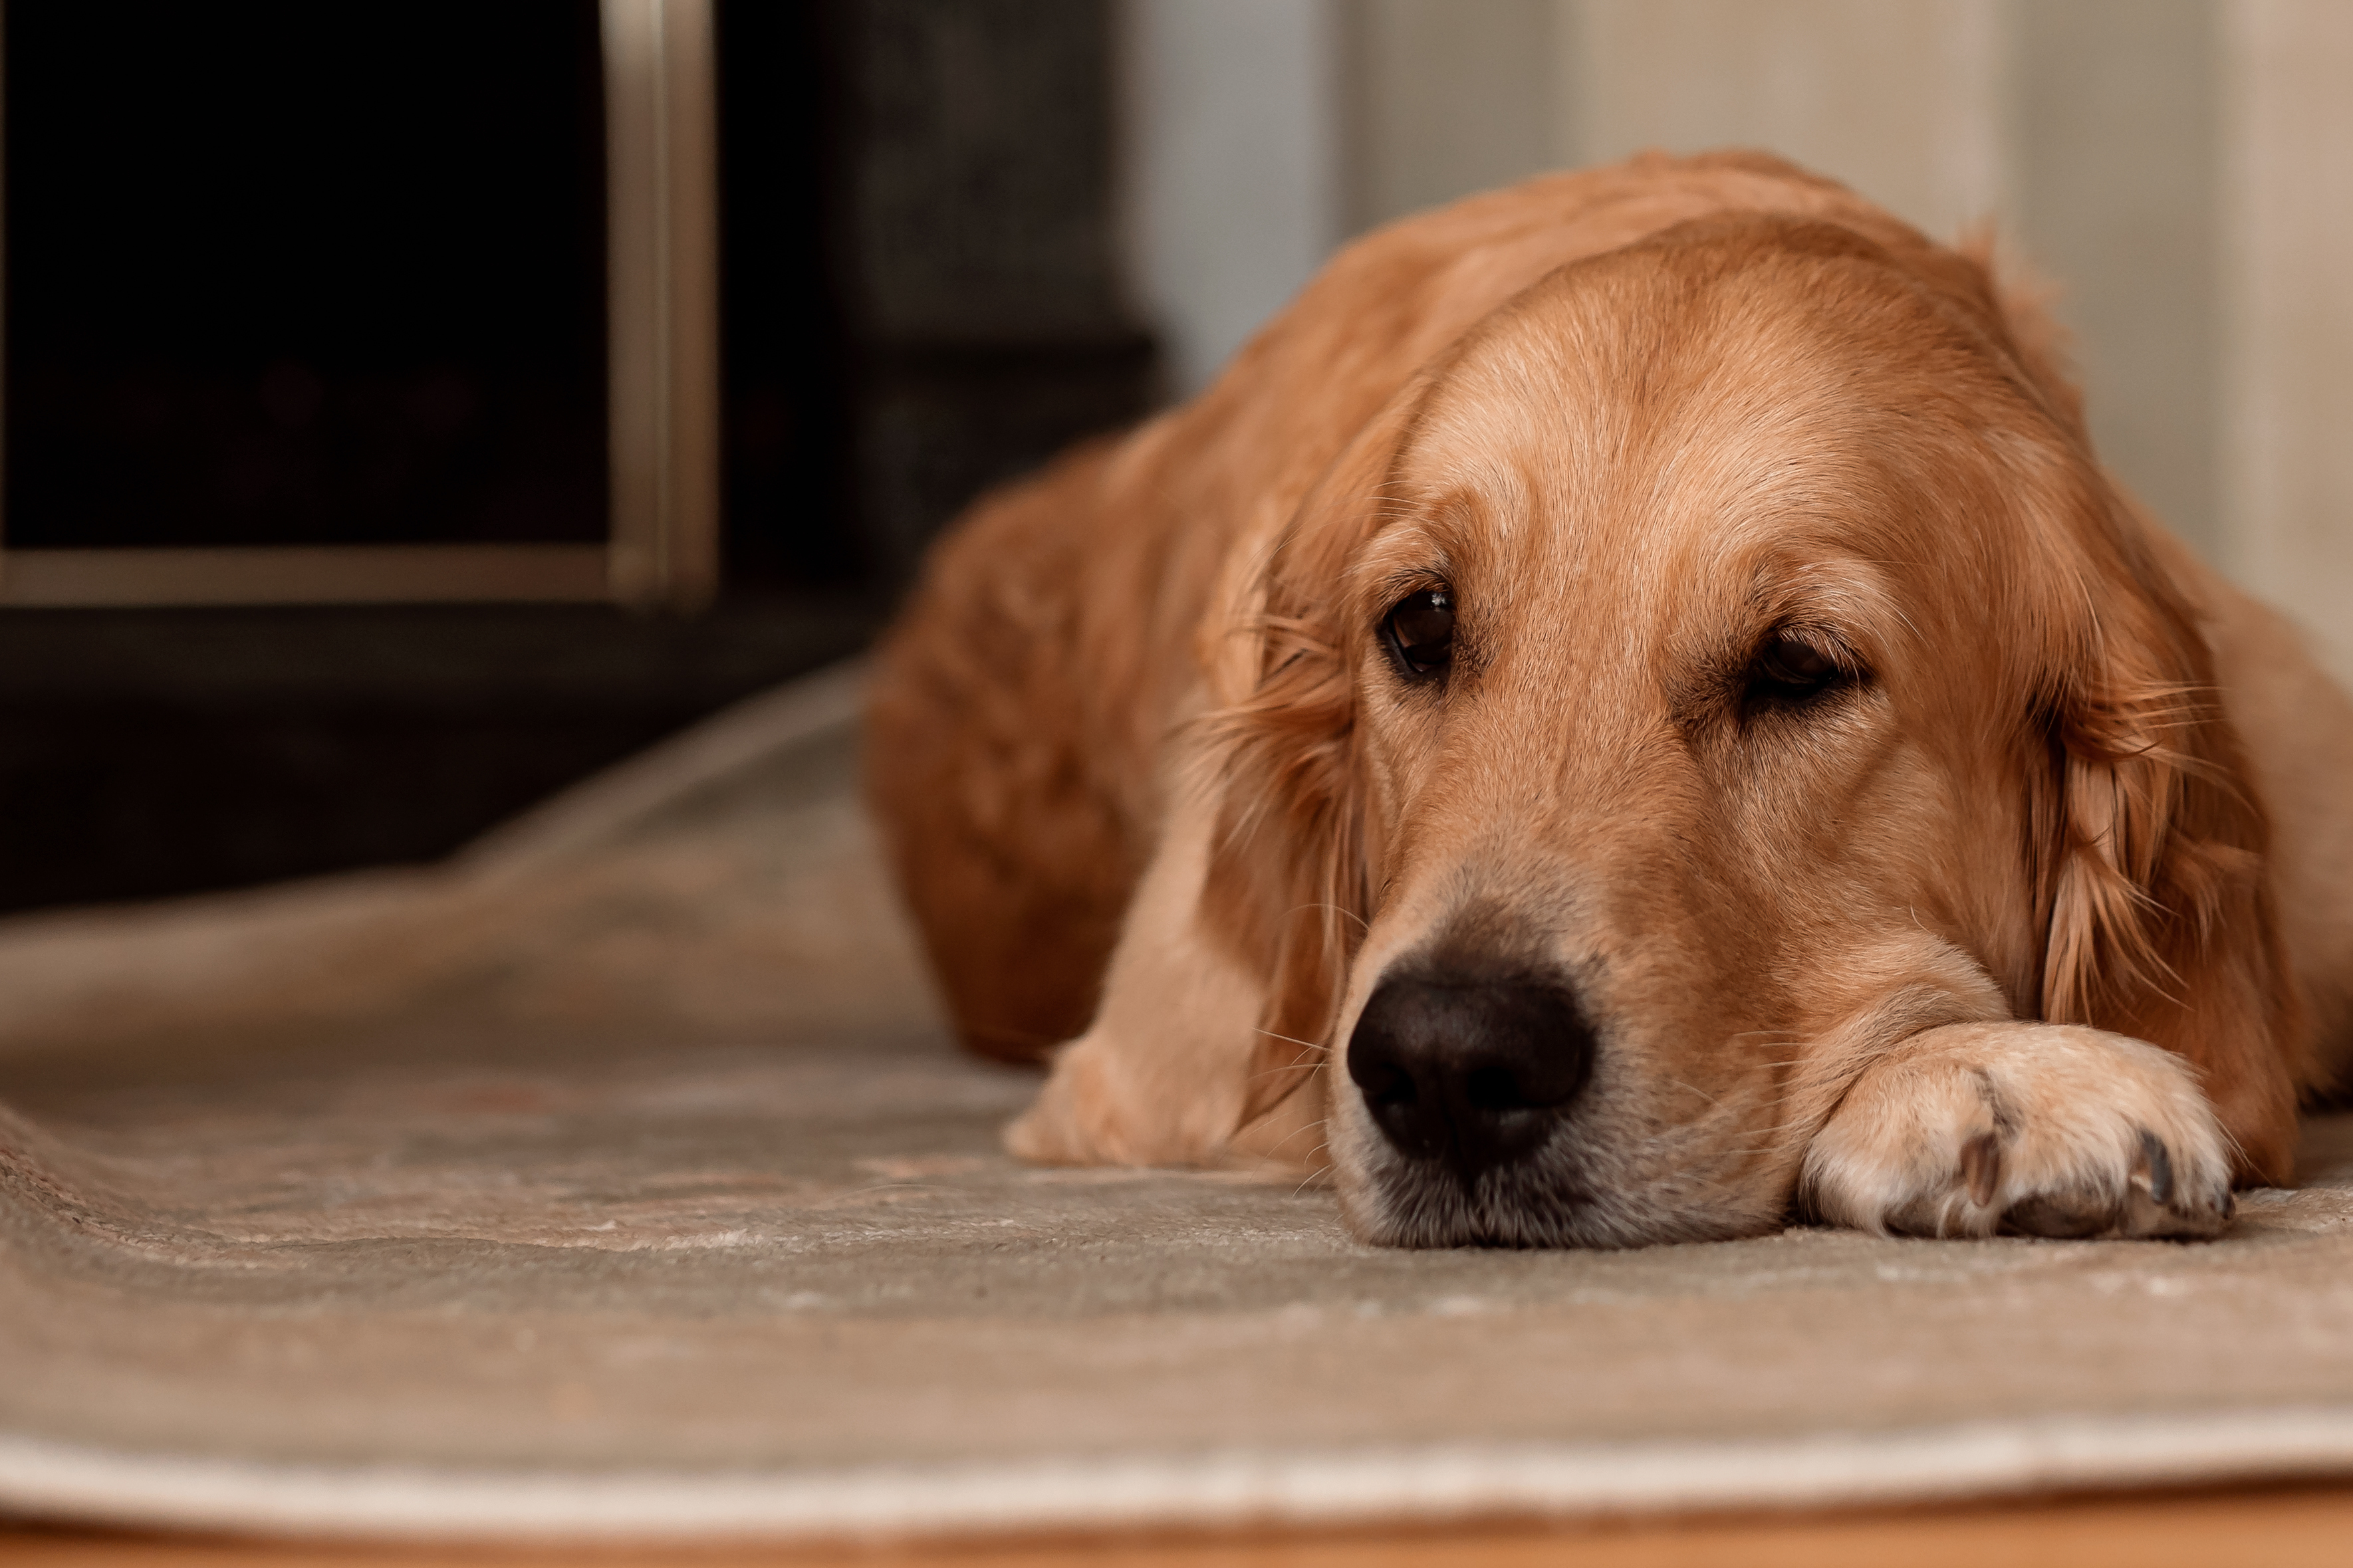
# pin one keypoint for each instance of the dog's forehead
(1597, 404)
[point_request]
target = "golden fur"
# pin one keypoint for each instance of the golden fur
(2002, 936)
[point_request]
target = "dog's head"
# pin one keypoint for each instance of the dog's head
(1726, 660)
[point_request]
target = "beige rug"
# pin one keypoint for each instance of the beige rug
(617, 1180)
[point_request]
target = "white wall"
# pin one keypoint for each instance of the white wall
(2287, 224)
(1235, 181)
(1446, 97)
(1901, 99)
(2117, 149)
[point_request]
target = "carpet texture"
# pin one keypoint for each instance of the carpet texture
(618, 1179)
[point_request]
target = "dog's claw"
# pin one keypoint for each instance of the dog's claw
(2054, 1216)
(2143, 1206)
(1981, 1167)
(2154, 1171)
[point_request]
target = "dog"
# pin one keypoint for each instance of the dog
(1629, 712)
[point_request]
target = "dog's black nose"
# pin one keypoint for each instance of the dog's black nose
(1472, 1073)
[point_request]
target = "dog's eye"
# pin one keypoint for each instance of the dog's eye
(1790, 669)
(1421, 631)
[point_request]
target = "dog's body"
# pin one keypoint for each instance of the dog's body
(1629, 705)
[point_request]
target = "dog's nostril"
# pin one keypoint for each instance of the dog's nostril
(1494, 1088)
(1473, 1073)
(1387, 1084)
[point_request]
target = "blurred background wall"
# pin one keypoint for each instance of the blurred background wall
(2181, 171)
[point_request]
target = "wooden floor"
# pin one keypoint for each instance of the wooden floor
(2284, 1528)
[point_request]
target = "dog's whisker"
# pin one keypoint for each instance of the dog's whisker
(1277, 1145)
(1334, 908)
(1306, 1063)
(1310, 1179)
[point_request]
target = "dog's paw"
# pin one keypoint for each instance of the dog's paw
(1073, 1120)
(1102, 1106)
(2034, 1128)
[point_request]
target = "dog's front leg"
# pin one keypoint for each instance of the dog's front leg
(1161, 1077)
(2042, 1128)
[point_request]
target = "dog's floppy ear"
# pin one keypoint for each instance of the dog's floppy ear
(2150, 841)
(1289, 885)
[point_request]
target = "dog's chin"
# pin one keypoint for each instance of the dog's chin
(1550, 1199)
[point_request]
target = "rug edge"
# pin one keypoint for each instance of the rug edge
(57, 1482)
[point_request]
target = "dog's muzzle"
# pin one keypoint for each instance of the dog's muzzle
(1469, 1074)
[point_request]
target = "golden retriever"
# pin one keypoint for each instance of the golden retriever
(1630, 709)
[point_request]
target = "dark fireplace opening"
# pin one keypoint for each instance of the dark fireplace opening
(290, 275)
